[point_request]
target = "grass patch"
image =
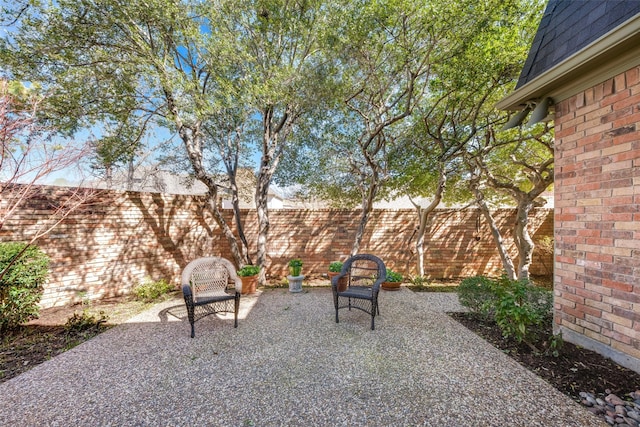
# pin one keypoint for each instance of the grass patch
(423, 284)
(433, 288)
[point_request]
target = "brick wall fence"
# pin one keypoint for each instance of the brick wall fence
(597, 218)
(120, 238)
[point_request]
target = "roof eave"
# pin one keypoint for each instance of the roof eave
(619, 50)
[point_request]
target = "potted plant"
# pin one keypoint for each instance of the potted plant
(393, 282)
(335, 267)
(249, 278)
(295, 278)
(295, 267)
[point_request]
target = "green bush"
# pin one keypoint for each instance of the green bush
(335, 267)
(521, 307)
(85, 321)
(518, 307)
(477, 294)
(21, 285)
(296, 262)
(249, 270)
(295, 267)
(420, 281)
(393, 277)
(149, 291)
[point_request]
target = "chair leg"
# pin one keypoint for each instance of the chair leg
(236, 309)
(191, 314)
(335, 303)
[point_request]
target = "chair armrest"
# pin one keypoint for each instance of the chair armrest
(186, 291)
(378, 282)
(238, 285)
(335, 279)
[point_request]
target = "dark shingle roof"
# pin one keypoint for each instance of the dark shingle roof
(568, 26)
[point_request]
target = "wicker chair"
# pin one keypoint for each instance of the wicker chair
(364, 274)
(204, 286)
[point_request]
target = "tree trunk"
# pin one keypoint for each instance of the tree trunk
(423, 219)
(367, 207)
(236, 212)
(523, 239)
(192, 140)
(507, 262)
(262, 211)
(193, 146)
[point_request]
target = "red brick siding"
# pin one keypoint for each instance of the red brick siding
(122, 237)
(597, 213)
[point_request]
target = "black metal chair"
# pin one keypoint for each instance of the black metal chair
(364, 274)
(204, 286)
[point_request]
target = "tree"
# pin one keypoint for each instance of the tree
(204, 70)
(125, 68)
(386, 57)
(459, 106)
(394, 60)
(424, 166)
(520, 165)
(516, 164)
(28, 156)
(384, 52)
(282, 70)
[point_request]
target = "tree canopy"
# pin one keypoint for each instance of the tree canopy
(358, 99)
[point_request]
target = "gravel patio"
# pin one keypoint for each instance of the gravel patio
(289, 364)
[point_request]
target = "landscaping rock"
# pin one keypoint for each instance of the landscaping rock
(612, 409)
(614, 400)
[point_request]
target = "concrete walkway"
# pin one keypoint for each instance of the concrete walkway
(289, 364)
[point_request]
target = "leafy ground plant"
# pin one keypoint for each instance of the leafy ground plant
(23, 270)
(149, 290)
(517, 306)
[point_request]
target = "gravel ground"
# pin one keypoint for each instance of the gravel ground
(288, 364)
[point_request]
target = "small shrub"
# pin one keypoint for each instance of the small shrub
(521, 308)
(149, 290)
(477, 294)
(85, 321)
(335, 267)
(518, 308)
(295, 267)
(249, 270)
(393, 277)
(420, 281)
(21, 285)
(296, 262)
(554, 345)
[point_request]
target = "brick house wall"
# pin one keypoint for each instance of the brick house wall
(597, 218)
(122, 237)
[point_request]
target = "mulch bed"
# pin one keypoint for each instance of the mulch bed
(573, 371)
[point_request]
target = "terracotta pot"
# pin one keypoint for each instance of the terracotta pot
(391, 286)
(249, 284)
(342, 284)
